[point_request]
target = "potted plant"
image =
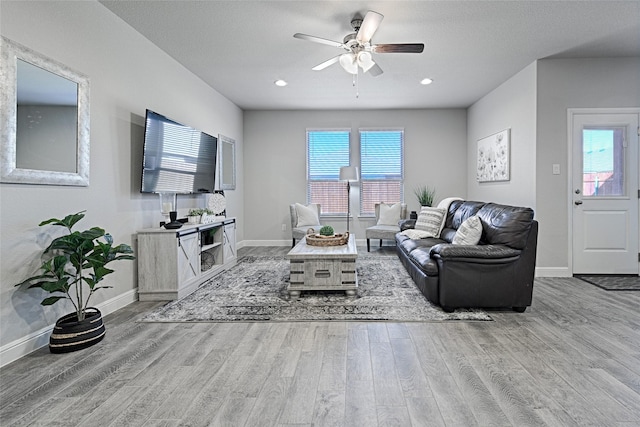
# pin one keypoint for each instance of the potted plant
(194, 215)
(425, 195)
(74, 265)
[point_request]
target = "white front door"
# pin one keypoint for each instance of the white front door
(605, 192)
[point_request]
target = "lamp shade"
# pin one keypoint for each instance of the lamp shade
(349, 173)
(365, 61)
(348, 62)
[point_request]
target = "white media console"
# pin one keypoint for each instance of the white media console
(174, 263)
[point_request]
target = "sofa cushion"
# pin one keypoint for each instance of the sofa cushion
(463, 211)
(389, 214)
(469, 232)
(307, 215)
(506, 225)
(408, 245)
(430, 220)
(424, 261)
(447, 234)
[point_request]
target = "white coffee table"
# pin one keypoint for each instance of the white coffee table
(319, 268)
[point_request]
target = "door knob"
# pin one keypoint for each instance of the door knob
(578, 202)
(578, 191)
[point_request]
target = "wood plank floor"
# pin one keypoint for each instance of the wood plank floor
(572, 359)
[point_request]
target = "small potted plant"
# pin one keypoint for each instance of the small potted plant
(74, 265)
(194, 215)
(327, 231)
(425, 195)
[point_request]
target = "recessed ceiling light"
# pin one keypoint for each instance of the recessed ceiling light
(426, 81)
(280, 83)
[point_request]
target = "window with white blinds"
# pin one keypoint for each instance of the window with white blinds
(327, 152)
(381, 168)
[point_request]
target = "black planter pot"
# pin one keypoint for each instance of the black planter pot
(70, 335)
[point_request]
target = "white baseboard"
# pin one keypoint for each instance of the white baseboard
(553, 272)
(35, 340)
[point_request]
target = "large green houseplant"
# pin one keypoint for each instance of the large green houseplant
(73, 266)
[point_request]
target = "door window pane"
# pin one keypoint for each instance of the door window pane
(603, 154)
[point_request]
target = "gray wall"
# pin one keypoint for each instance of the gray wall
(563, 84)
(510, 106)
(275, 161)
(127, 74)
(534, 104)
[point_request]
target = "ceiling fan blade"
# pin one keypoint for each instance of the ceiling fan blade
(317, 40)
(398, 48)
(375, 70)
(326, 63)
(369, 26)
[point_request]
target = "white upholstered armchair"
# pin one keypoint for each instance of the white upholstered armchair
(303, 218)
(387, 218)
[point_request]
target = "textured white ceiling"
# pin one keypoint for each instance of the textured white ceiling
(241, 47)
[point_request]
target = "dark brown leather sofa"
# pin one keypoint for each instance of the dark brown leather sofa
(497, 272)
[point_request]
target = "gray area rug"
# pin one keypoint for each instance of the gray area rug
(610, 282)
(255, 290)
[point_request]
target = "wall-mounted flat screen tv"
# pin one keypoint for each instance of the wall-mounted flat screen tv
(177, 158)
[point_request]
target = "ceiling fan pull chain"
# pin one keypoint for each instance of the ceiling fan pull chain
(356, 84)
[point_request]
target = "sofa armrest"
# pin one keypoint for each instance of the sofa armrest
(407, 224)
(450, 251)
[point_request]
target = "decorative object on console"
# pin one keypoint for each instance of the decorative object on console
(71, 261)
(349, 174)
(168, 207)
(425, 195)
(217, 204)
(494, 157)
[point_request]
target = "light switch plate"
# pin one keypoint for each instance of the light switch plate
(556, 169)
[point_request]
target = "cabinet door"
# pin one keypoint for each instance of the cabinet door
(188, 257)
(229, 242)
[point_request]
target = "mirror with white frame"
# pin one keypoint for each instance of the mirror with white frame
(227, 163)
(45, 119)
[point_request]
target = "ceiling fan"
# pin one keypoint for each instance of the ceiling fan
(359, 48)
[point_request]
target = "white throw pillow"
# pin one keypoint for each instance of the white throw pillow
(412, 233)
(389, 214)
(469, 232)
(307, 215)
(430, 220)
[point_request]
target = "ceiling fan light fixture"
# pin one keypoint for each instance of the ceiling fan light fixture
(348, 62)
(365, 61)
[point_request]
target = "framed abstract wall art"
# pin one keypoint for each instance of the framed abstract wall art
(494, 157)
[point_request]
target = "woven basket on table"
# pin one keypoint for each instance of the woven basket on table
(314, 239)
